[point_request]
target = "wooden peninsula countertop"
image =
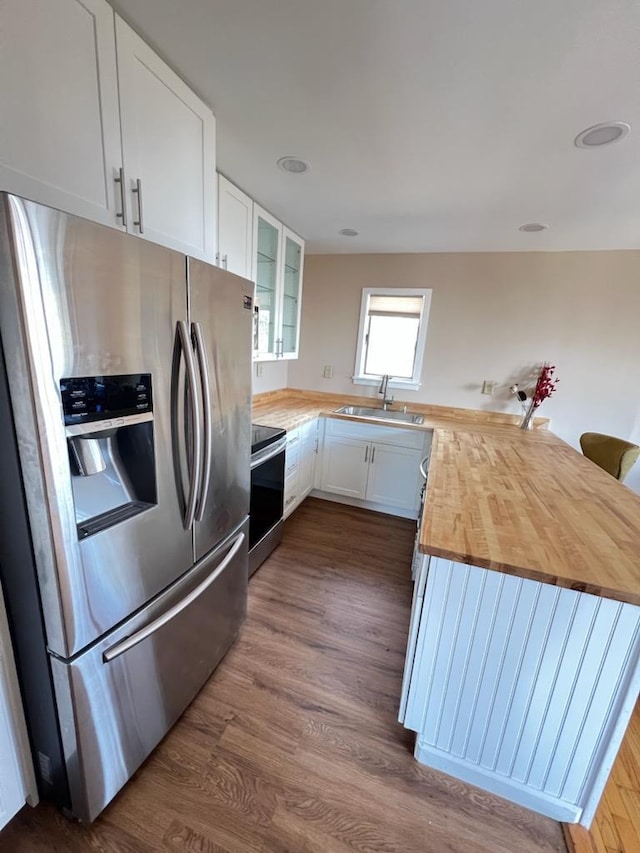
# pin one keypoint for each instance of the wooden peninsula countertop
(520, 502)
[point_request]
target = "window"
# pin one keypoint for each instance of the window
(392, 335)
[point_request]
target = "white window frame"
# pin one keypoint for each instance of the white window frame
(359, 377)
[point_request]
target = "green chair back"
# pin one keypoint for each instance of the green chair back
(615, 455)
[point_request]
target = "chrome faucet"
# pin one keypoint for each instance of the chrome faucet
(384, 385)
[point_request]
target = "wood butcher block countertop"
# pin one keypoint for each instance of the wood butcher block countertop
(520, 502)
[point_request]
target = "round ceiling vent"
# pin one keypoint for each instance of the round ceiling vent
(532, 227)
(293, 164)
(602, 134)
(348, 232)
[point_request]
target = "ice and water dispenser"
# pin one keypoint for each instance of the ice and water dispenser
(109, 428)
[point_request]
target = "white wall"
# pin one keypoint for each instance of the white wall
(494, 316)
(274, 376)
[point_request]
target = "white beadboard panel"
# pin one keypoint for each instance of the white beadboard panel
(510, 634)
(522, 682)
(599, 713)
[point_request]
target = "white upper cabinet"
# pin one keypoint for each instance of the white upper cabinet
(267, 273)
(95, 124)
(235, 229)
(60, 140)
(291, 296)
(278, 264)
(168, 142)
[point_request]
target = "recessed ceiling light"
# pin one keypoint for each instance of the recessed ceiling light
(532, 227)
(602, 134)
(293, 164)
(348, 232)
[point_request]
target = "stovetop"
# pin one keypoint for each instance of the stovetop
(263, 436)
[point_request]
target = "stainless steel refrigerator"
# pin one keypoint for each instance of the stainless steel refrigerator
(125, 410)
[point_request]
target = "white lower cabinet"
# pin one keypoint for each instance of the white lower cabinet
(300, 462)
(17, 782)
(394, 476)
(376, 464)
(308, 456)
(345, 466)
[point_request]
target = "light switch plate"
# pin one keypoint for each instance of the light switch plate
(488, 386)
(259, 368)
(328, 371)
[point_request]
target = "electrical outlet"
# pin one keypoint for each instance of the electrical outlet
(259, 368)
(328, 371)
(488, 387)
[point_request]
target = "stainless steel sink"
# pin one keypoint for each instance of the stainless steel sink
(380, 414)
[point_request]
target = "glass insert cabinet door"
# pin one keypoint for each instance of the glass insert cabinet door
(291, 293)
(267, 241)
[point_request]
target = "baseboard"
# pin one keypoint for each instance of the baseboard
(387, 510)
(510, 789)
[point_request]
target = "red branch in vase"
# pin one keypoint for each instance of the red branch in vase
(545, 386)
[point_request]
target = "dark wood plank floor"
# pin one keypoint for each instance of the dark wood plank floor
(293, 745)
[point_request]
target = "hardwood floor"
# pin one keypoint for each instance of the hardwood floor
(293, 745)
(616, 827)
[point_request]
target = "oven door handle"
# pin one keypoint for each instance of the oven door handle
(268, 452)
(422, 468)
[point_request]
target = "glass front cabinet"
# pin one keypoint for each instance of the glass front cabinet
(278, 263)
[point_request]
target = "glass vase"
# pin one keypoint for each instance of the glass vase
(527, 418)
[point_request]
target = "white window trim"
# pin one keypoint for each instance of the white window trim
(414, 383)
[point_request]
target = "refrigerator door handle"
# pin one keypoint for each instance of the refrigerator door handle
(153, 626)
(196, 424)
(205, 381)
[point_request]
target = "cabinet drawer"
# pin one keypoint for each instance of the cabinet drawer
(412, 438)
(291, 490)
(293, 436)
(292, 459)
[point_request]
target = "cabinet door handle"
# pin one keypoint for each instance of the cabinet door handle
(120, 180)
(373, 454)
(139, 221)
(224, 262)
(256, 327)
(217, 259)
(366, 453)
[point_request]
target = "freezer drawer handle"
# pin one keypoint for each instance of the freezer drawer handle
(196, 472)
(156, 624)
(205, 382)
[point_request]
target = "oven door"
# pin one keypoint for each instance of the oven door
(267, 490)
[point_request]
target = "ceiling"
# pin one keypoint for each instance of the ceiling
(429, 125)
